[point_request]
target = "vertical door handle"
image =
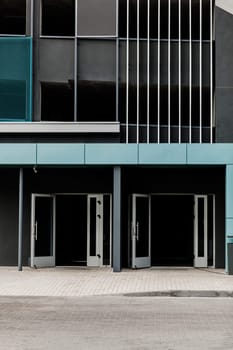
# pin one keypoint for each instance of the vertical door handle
(137, 231)
(36, 230)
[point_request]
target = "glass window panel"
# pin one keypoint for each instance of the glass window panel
(92, 226)
(174, 19)
(96, 80)
(56, 59)
(106, 231)
(201, 227)
(142, 226)
(195, 19)
(57, 101)
(58, 17)
(185, 19)
(13, 17)
(44, 221)
(96, 17)
(15, 79)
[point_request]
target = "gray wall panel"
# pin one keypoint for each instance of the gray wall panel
(224, 114)
(224, 48)
(224, 76)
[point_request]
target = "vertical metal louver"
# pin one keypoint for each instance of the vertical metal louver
(166, 62)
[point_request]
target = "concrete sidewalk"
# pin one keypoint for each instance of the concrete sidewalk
(64, 282)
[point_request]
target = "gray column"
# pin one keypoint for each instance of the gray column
(20, 225)
(229, 216)
(117, 219)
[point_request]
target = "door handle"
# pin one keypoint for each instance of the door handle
(36, 231)
(137, 231)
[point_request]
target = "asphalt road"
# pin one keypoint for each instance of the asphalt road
(118, 322)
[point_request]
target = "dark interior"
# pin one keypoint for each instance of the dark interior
(57, 101)
(44, 223)
(71, 230)
(13, 17)
(172, 230)
(96, 101)
(58, 17)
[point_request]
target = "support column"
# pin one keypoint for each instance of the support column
(117, 219)
(20, 224)
(229, 214)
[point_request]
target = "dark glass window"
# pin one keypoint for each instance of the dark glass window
(96, 80)
(57, 101)
(58, 17)
(93, 227)
(13, 17)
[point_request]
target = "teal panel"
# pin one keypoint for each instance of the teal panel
(229, 191)
(15, 79)
(60, 154)
(229, 229)
(210, 154)
(111, 154)
(18, 154)
(162, 154)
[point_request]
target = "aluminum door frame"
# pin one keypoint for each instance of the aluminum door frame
(141, 262)
(43, 261)
(95, 261)
(200, 261)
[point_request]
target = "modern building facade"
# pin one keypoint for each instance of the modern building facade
(116, 133)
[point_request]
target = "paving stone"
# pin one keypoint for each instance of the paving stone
(92, 281)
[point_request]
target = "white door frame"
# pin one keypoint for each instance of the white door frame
(43, 261)
(200, 261)
(140, 262)
(96, 260)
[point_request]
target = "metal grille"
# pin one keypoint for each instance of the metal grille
(166, 82)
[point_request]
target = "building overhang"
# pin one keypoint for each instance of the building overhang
(79, 154)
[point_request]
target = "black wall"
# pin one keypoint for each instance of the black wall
(100, 180)
(44, 181)
(177, 180)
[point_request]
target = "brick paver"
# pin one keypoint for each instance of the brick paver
(62, 282)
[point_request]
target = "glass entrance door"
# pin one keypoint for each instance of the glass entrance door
(200, 232)
(95, 230)
(141, 231)
(43, 230)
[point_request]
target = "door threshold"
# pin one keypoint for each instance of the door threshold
(172, 267)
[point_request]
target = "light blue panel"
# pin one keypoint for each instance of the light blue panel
(229, 228)
(116, 154)
(162, 154)
(229, 191)
(210, 154)
(21, 154)
(67, 154)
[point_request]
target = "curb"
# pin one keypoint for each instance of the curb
(184, 294)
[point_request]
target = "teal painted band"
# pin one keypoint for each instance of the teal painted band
(127, 154)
